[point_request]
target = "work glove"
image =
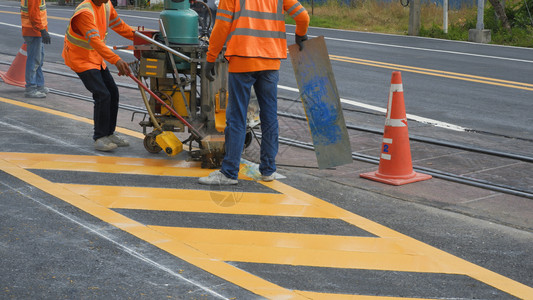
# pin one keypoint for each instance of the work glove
(299, 39)
(210, 71)
(45, 36)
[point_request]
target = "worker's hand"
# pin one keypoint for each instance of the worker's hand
(210, 71)
(123, 68)
(299, 39)
(45, 36)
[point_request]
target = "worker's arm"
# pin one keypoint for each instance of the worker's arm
(299, 14)
(301, 17)
(35, 15)
(120, 26)
(84, 25)
(222, 28)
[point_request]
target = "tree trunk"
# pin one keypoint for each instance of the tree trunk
(500, 12)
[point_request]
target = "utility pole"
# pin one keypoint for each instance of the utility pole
(480, 34)
(445, 16)
(414, 17)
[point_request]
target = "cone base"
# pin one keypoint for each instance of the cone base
(394, 180)
(5, 77)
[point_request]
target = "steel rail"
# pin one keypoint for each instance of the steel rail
(427, 140)
(435, 173)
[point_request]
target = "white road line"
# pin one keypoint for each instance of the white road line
(420, 119)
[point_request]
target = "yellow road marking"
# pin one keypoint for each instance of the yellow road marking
(329, 296)
(391, 251)
(175, 247)
(397, 252)
(438, 73)
(67, 115)
(315, 254)
(168, 199)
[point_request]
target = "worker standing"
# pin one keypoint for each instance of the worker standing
(256, 45)
(35, 33)
(84, 51)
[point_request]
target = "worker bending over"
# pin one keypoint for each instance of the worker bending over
(84, 52)
(256, 45)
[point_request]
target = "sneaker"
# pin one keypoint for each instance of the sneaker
(104, 144)
(34, 94)
(217, 178)
(268, 178)
(43, 89)
(118, 140)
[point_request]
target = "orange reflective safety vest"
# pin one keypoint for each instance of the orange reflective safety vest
(102, 23)
(33, 17)
(78, 51)
(258, 29)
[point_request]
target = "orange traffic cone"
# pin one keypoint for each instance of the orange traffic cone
(17, 71)
(395, 166)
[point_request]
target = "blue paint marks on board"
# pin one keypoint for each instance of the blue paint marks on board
(323, 115)
(321, 102)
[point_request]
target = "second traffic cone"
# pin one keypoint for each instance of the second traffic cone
(395, 166)
(16, 75)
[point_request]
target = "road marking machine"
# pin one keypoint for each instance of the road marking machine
(170, 68)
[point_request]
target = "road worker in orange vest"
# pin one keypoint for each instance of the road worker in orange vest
(257, 43)
(35, 33)
(84, 51)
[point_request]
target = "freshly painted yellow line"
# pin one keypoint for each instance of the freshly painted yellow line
(446, 260)
(206, 201)
(314, 255)
(391, 250)
(67, 115)
(400, 252)
(329, 296)
(118, 165)
(438, 73)
(175, 247)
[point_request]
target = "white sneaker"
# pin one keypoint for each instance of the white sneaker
(119, 141)
(34, 94)
(217, 178)
(268, 178)
(43, 89)
(104, 144)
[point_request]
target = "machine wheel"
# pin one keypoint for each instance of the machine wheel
(150, 144)
(248, 139)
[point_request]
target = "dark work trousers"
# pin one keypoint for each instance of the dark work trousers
(105, 95)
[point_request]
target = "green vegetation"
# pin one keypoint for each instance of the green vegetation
(392, 17)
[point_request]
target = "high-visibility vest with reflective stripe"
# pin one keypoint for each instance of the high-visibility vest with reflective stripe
(258, 29)
(83, 41)
(25, 17)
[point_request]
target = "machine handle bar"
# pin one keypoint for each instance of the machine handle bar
(164, 47)
(194, 131)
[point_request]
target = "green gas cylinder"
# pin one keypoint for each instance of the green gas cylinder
(180, 21)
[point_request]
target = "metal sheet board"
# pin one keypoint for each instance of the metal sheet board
(321, 102)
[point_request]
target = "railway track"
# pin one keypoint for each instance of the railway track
(493, 186)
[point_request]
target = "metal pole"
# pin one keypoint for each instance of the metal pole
(158, 44)
(445, 16)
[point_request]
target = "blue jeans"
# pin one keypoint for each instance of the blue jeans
(265, 84)
(34, 62)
